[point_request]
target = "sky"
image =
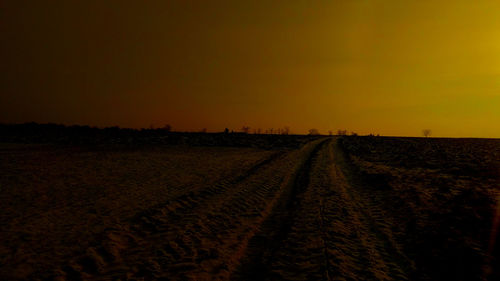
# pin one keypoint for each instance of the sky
(387, 67)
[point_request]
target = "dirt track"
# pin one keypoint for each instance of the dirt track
(325, 230)
(291, 217)
(300, 214)
(202, 235)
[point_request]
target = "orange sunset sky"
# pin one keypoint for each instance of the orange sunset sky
(387, 67)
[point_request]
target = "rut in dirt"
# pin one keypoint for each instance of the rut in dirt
(325, 228)
(201, 236)
(296, 216)
(256, 264)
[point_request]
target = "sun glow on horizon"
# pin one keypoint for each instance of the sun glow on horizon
(383, 67)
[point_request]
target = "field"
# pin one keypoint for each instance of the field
(441, 198)
(289, 208)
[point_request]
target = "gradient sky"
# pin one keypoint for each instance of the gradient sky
(390, 67)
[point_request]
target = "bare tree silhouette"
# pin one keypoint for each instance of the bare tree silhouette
(342, 132)
(286, 130)
(426, 132)
(313, 132)
(167, 128)
(245, 129)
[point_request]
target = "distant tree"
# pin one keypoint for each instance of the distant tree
(426, 132)
(354, 134)
(112, 128)
(342, 132)
(271, 131)
(259, 130)
(167, 128)
(330, 132)
(204, 130)
(226, 131)
(313, 132)
(245, 129)
(286, 130)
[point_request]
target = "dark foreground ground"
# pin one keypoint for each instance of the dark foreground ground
(289, 208)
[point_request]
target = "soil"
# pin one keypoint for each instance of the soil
(334, 208)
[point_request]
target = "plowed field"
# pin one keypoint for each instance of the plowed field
(324, 211)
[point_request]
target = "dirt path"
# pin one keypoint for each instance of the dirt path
(295, 216)
(198, 236)
(267, 243)
(325, 229)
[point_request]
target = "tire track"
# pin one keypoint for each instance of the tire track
(387, 260)
(295, 216)
(107, 254)
(305, 254)
(264, 246)
(324, 238)
(329, 231)
(199, 236)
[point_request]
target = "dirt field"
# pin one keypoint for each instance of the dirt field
(441, 197)
(350, 208)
